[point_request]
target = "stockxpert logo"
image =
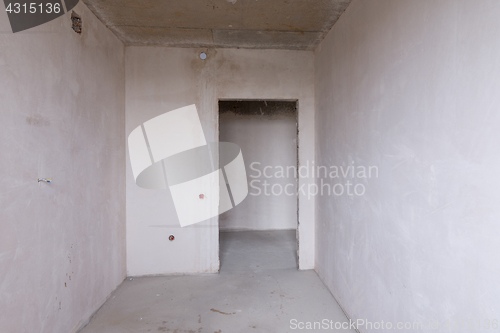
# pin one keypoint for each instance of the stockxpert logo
(170, 151)
(26, 15)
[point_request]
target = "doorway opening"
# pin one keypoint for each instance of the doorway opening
(261, 232)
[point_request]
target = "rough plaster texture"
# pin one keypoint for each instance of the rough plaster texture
(412, 87)
(161, 79)
(270, 141)
(269, 24)
(62, 245)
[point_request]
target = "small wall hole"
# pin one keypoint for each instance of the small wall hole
(76, 23)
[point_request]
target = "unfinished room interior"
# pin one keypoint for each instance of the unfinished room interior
(226, 166)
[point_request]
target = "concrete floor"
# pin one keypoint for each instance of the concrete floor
(259, 289)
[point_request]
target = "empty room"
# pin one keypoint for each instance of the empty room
(226, 166)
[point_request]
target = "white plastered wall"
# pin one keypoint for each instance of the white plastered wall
(268, 143)
(412, 88)
(62, 115)
(159, 80)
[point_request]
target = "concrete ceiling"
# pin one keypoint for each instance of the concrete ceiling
(263, 24)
